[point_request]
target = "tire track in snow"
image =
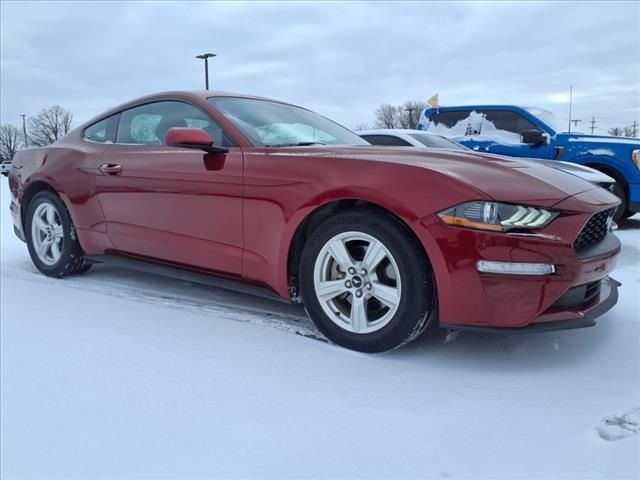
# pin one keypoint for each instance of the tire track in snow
(178, 294)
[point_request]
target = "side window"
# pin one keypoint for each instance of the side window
(449, 119)
(508, 120)
(386, 140)
(148, 124)
(98, 132)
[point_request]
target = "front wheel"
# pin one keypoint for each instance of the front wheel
(51, 238)
(621, 213)
(365, 282)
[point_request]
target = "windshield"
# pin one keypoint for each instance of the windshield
(560, 125)
(436, 141)
(273, 124)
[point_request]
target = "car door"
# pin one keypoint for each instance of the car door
(177, 205)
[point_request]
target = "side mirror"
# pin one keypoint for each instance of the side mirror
(195, 138)
(533, 137)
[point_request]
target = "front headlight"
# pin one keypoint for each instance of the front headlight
(497, 217)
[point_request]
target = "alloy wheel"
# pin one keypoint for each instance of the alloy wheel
(357, 282)
(47, 233)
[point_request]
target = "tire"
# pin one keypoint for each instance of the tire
(627, 214)
(51, 238)
(397, 295)
(622, 212)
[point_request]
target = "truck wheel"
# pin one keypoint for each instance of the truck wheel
(365, 282)
(622, 212)
(51, 238)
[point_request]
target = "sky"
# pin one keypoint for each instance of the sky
(340, 59)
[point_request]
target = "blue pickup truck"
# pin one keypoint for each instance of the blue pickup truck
(536, 133)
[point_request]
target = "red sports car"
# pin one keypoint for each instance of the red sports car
(264, 196)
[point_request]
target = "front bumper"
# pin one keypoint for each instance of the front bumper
(469, 298)
(634, 198)
(606, 300)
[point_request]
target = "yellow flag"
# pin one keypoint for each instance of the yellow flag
(433, 101)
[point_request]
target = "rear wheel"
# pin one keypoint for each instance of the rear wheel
(365, 282)
(51, 238)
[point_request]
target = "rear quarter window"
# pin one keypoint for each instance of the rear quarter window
(98, 132)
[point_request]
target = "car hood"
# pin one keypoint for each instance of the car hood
(502, 178)
(593, 141)
(586, 173)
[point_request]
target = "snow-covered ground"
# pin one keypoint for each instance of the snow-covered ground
(121, 374)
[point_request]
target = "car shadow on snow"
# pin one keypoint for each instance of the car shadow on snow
(473, 350)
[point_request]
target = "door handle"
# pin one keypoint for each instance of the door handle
(111, 169)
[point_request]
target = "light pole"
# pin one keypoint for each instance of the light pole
(206, 57)
(410, 110)
(24, 129)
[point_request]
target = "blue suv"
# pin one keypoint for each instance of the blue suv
(535, 133)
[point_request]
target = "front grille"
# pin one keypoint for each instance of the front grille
(595, 230)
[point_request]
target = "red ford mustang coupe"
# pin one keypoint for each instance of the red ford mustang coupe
(273, 199)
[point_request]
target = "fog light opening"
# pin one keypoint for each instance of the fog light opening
(509, 268)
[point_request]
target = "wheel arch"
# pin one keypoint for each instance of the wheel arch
(314, 218)
(31, 191)
(607, 169)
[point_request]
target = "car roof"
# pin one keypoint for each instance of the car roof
(205, 94)
(184, 94)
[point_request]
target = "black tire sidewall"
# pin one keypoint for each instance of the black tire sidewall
(71, 252)
(619, 191)
(418, 288)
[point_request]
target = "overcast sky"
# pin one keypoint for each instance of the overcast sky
(339, 59)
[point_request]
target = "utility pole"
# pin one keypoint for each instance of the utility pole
(206, 57)
(635, 128)
(575, 122)
(570, 104)
(24, 129)
(593, 124)
(410, 110)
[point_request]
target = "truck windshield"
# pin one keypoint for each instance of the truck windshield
(274, 124)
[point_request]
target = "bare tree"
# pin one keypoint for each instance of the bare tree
(386, 116)
(10, 142)
(630, 131)
(399, 116)
(616, 132)
(49, 126)
(409, 113)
